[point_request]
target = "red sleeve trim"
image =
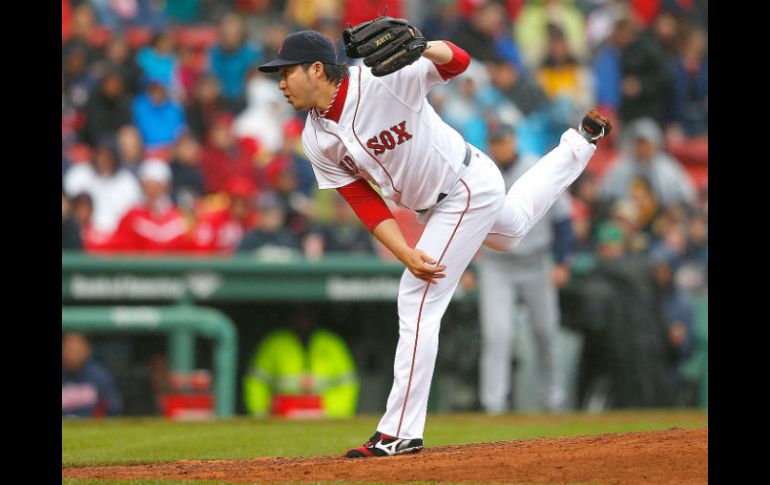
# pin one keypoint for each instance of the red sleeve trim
(366, 203)
(458, 64)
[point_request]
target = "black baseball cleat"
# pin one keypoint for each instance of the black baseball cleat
(383, 445)
(594, 126)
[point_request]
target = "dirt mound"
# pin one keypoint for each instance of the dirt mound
(674, 456)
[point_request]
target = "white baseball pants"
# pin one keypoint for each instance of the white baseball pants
(476, 212)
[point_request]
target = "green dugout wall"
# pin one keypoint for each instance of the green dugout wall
(93, 280)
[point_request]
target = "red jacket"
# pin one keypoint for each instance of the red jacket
(141, 229)
(218, 231)
(218, 166)
(95, 241)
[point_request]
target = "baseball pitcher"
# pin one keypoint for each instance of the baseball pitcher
(372, 125)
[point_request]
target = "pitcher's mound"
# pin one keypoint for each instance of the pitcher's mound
(673, 456)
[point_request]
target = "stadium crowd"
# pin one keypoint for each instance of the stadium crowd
(172, 141)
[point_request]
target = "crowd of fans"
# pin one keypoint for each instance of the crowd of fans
(172, 141)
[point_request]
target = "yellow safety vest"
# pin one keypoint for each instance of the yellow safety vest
(282, 365)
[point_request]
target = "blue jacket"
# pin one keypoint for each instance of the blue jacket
(158, 124)
(231, 68)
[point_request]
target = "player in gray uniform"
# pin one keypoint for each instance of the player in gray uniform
(525, 273)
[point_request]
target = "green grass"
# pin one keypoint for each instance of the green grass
(141, 441)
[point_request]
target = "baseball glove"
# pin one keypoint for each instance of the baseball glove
(386, 44)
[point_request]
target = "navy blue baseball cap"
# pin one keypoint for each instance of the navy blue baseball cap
(301, 47)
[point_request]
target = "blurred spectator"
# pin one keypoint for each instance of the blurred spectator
(120, 14)
(119, 58)
(231, 58)
(156, 224)
(441, 21)
(617, 306)
(602, 18)
(130, 148)
(87, 388)
(265, 115)
(222, 230)
(113, 189)
(521, 89)
(643, 156)
(281, 177)
(188, 73)
(457, 103)
(223, 157)
(116, 15)
(646, 81)
(273, 35)
(642, 195)
(302, 371)
(159, 62)
(83, 29)
(292, 155)
(486, 36)
(563, 79)
(306, 13)
(70, 229)
(665, 33)
(533, 114)
(271, 239)
(680, 312)
(159, 118)
(689, 105)
(94, 239)
(694, 12)
(66, 20)
(77, 79)
(531, 29)
(344, 234)
(204, 107)
(532, 272)
(186, 175)
(108, 108)
(607, 68)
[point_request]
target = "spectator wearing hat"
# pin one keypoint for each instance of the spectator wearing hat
(156, 224)
(113, 189)
(222, 230)
(642, 156)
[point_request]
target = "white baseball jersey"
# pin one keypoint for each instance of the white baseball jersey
(388, 134)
